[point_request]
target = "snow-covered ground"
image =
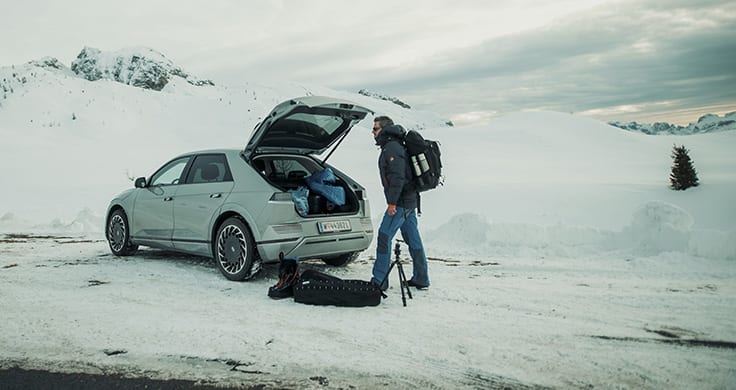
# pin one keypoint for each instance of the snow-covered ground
(550, 321)
(559, 257)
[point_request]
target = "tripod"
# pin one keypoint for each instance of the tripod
(402, 275)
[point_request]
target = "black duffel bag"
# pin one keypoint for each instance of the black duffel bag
(317, 288)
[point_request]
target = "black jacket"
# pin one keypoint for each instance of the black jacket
(395, 169)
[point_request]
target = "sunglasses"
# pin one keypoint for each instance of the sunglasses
(376, 129)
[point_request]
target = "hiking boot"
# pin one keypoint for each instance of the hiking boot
(288, 276)
(417, 286)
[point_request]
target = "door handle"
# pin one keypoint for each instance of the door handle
(215, 195)
(168, 199)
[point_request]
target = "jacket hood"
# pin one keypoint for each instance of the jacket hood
(390, 132)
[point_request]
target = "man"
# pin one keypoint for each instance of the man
(395, 171)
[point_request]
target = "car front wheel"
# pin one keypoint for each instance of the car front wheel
(118, 234)
(234, 250)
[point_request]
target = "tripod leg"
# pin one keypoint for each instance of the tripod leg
(404, 283)
(388, 273)
(401, 283)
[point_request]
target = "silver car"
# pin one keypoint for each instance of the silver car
(238, 207)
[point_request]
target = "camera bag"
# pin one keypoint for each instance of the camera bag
(318, 288)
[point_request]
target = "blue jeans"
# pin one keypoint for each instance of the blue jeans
(406, 220)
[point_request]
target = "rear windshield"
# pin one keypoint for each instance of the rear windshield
(327, 123)
(313, 129)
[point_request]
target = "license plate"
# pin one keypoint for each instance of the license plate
(333, 226)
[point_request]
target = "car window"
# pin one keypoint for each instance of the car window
(209, 168)
(312, 130)
(285, 168)
(328, 123)
(170, 173)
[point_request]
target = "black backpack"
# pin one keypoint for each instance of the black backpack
(426, 165)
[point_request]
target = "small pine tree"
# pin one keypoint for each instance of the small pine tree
(683, 174)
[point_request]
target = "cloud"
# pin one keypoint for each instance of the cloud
(339, 46)
(471, 61)
(635, 54)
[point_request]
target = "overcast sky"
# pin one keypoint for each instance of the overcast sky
(643, 60)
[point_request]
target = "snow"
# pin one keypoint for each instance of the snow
(558, 255)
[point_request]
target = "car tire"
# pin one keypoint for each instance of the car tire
(234, 250)
(118, 234)
(341, 260)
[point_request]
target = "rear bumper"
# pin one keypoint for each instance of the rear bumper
(312, 247)
(306, 241)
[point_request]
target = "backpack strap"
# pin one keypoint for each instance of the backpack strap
(419, 205)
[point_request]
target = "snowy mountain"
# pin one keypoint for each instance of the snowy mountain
(391, 99)
(53, 91)
(706, 124)
(139, 67)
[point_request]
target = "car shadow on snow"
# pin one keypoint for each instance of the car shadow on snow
(164, 255)
(268, 270)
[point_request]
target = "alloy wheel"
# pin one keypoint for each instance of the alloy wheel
(232, 249)
(116, 233)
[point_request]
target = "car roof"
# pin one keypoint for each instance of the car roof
(210, 151)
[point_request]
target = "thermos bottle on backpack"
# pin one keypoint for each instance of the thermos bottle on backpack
(423, 165)
(419, 164)
(415, 165)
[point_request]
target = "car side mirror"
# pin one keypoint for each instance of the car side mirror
(140, 182)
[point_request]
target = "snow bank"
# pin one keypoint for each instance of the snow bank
(472, 235)
(86, 223)
(656, 227)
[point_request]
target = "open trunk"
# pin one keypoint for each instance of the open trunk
(289, 172)
(306, 125)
